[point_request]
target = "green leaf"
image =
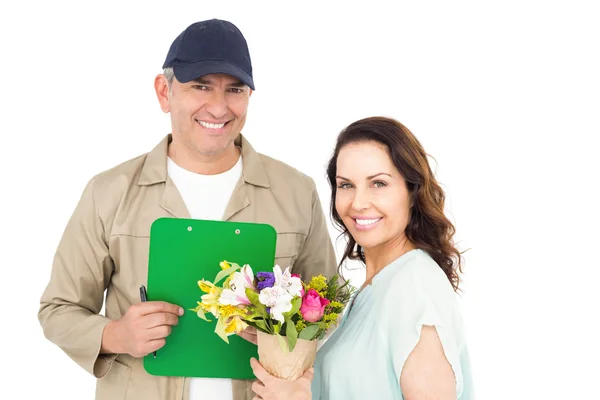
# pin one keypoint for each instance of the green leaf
(262, 325)
(309, 332)
(259, 308)
(282, 343)
(220, 330)
(291, 334)
(225, 273)
(200, 312)
(253, 297)
(296, 303)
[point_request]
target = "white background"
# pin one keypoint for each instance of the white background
(504, 95)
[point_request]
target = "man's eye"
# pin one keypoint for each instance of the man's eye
(200, 87)
(236, 90)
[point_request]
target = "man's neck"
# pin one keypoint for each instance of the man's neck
(204, 164)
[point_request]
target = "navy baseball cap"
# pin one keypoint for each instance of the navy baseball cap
(210, 47)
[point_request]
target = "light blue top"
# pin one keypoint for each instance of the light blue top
(363, 359)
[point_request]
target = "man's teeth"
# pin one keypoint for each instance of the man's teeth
(211, 126)
(367, 221)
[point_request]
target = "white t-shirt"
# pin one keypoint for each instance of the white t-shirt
(206, 197)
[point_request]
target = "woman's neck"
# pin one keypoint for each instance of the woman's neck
(377, 258)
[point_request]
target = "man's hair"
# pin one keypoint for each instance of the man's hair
(169, 74)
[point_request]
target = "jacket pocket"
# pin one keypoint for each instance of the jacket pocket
(288, 245)
(113, 386)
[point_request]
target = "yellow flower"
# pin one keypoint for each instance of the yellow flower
(235, 325)
(330, 319)
(230, 310)
(210, 301)
(319, 283)
(231, 322)
(224, 265)
(336, 306)
(300, 325)
(205, 286)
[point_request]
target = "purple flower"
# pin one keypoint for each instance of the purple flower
(265, 280)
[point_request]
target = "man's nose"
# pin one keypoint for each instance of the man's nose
(217, 104)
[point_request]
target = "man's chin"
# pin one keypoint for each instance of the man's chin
(215, 149)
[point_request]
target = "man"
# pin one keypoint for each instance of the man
(204, 169)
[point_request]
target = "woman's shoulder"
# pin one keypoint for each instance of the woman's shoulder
(418, 264)
(417, 275)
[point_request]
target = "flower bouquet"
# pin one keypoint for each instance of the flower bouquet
(288, 314)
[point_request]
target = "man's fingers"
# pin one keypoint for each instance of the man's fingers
(259, 371)
(158, 319)
(154, 345)
(159, 332)
(152, 307)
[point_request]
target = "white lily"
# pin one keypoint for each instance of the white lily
(285, 279)
(236, 294)
(278, 300)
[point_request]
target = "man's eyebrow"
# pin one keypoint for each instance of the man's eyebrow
(238, 84)
(204, 81)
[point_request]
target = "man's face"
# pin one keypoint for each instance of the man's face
(208, 113)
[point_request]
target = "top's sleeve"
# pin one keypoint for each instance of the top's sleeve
(421, 294)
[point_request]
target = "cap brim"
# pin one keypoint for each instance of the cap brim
(189, 72)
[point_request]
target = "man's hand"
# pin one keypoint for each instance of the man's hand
(268, 387)
(249, 334)
(142, 329)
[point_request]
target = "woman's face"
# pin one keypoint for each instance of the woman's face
(371, 198)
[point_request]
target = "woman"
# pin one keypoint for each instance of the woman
(402, 336)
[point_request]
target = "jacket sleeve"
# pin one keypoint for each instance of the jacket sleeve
(70, 305)
(317, 255)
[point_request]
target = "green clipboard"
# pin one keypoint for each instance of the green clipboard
(183, 251)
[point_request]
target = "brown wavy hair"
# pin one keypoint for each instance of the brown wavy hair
(428, 228)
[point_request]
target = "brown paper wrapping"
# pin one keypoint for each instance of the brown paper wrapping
(284, 364)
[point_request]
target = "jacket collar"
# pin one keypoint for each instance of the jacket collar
(155, 166)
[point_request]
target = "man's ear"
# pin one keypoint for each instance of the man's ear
(161, 86)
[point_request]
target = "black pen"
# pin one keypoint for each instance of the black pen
(144, 298)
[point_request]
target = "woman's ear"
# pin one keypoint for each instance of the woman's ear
(413, 197)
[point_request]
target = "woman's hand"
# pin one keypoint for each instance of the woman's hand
(249, 334)
(268, 387)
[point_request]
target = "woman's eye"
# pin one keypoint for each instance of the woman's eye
(379, 184)
(344, 186)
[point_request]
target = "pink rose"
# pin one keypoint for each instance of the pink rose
(313, 306)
